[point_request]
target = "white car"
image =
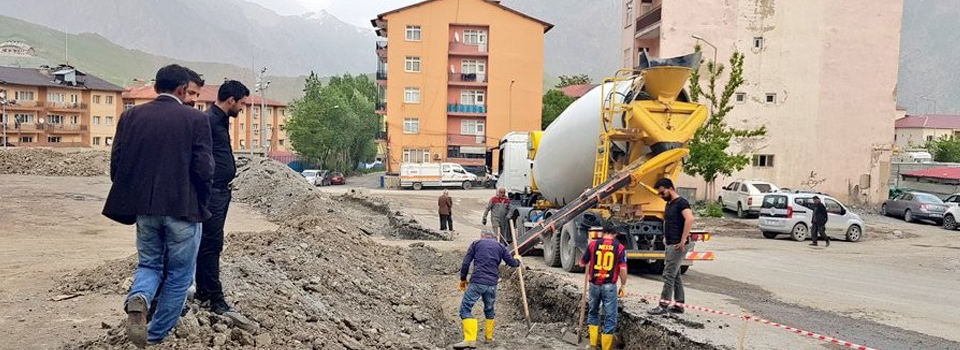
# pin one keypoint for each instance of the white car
(313, 176)
(745, 197)
(792, 213)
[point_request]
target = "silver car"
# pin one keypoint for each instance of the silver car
(913, 206)
(792, 214)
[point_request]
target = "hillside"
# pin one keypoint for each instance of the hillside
(96, 55)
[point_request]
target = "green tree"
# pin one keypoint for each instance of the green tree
(945, 149)
(335, 125)
(554, 103)
(709, 149)
(579, 79)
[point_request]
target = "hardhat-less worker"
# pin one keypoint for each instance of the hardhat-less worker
(485, 254)
(499, 209)
(606, 263)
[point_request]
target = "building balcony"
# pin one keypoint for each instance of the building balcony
(467, 140)
(468, 79)
(382, 49)
(648, 24)
(381, 76)
(382, 107)
(462, 49)
(24, 127)
(381, 136)
(466, 110)
(22, 105)
(64, 128)
(48, 144)
(70, 106)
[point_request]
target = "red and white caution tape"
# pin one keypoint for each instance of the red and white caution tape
(764, 321)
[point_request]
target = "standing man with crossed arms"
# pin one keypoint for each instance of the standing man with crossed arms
(677, 223)
(606, 263)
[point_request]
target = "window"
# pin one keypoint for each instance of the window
(74, 98)
(269, 111)
(628, 14)
(74, 119)
(54, 97)
(929, 137)
(466, 152)
(109, 141)
(96, 99)
(241, 127)
(763, 160)
(472, 127)
(23, 96)
(109, 120)
(411, 125)
(771, 98)
(412, 64)
(472, 97)
(23, 118)
(280, 142)
(54, 119)
(127, 106)
(96, 141)
(474, 37)
(26, 139)
(758, 42)
(741, 97)
(416, 155)
(283, 112)
(473, 66)
(96, 120)
(833, 207)
(199, 107)
(53, 139)
(243, 144)
(411, 95)
(413, 33)
(109, 100)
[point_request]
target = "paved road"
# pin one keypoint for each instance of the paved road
(894, 290)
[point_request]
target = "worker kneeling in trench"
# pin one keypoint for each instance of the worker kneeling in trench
(486, 255)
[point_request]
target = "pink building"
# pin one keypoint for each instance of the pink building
(820, 75)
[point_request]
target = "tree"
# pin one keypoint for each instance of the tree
(554, 103)
(579, 79)
(335, 125)
(710, 156)
(945, 149)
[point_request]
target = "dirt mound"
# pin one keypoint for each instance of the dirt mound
(46, 162)
(113, 277)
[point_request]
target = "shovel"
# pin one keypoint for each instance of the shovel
(523, 288)
(576, 336)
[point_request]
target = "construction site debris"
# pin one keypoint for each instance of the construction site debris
(47, 162)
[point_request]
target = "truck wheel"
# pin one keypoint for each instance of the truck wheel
(770, 235)
(569, 254)
(551, 249)
(466, 185)
(683, 269)
(418, 186)
(799, 232)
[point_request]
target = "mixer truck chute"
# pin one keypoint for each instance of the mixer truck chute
(594, 166)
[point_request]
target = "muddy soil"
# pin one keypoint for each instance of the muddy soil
(45, 162)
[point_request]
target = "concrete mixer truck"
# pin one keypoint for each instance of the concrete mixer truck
(595, 164)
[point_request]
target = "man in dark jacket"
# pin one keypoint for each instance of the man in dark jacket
(486, 255)
(230, 100)
(161, 182)
(445, 207)
(819, 222)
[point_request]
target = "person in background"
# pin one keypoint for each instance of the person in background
(485, 254)
(193, 88)
(819, 222)
(445, 204)
(677, 223)
(499, 210)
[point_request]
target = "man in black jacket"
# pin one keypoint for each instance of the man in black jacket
(161, 167)
(230, 100)
(819, 222)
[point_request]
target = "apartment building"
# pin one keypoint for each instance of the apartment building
(820, 75)
(462, 73)
(246, 130)
(58, 107)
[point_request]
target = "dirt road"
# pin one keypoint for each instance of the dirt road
(893, 290)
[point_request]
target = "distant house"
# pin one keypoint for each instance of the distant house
(942, 181)
(578, 90)
(917, 130)
(16, 49)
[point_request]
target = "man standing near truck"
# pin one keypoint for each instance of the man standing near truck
(500, 208)
(445, 208)
(485, 254)
(606, 263)
(677, 223)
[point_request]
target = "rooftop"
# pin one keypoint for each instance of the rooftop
(380, 21)
(929, 121)
(208, 93)
(45, 77)
(576, 91)
(945, 173)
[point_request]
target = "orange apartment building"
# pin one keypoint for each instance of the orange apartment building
(462, 73)
(248, 125)
(58, 107)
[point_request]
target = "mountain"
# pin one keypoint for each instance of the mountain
(228, 31)
(98, 56)
(929, 79)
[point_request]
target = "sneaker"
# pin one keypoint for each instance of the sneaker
(828, 243)
(813, 244)
(676, 309)
(220, 307)
(136, 309)
(659, 310)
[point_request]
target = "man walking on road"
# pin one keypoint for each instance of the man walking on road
(230, 100)
(819, 222)
(499, 208)
(486, 255)
(677, 223)
(606, 263)
(161, 182)
(445, 204)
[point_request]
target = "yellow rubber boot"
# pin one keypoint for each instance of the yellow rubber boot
(469, 335)
(488, 327)
(594, 332)
(606, 341)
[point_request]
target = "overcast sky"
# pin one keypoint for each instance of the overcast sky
(357, 12)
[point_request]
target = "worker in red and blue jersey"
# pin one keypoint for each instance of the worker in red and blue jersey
(606, 263)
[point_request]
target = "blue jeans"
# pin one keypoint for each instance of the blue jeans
(474, 292)
(604, 296)
(167, 250)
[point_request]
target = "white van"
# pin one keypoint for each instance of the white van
(420, 175)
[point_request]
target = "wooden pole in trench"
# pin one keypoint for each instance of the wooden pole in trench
(523, 288)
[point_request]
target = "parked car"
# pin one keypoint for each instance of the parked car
(745, 197)
(337, 179)
(792, 213)
(311, 176)
(953, 200)
(914, 206)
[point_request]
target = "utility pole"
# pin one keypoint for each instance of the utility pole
(262, 89)
(3, 113)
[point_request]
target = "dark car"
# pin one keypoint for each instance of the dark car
(337, 179)
(914, 206)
